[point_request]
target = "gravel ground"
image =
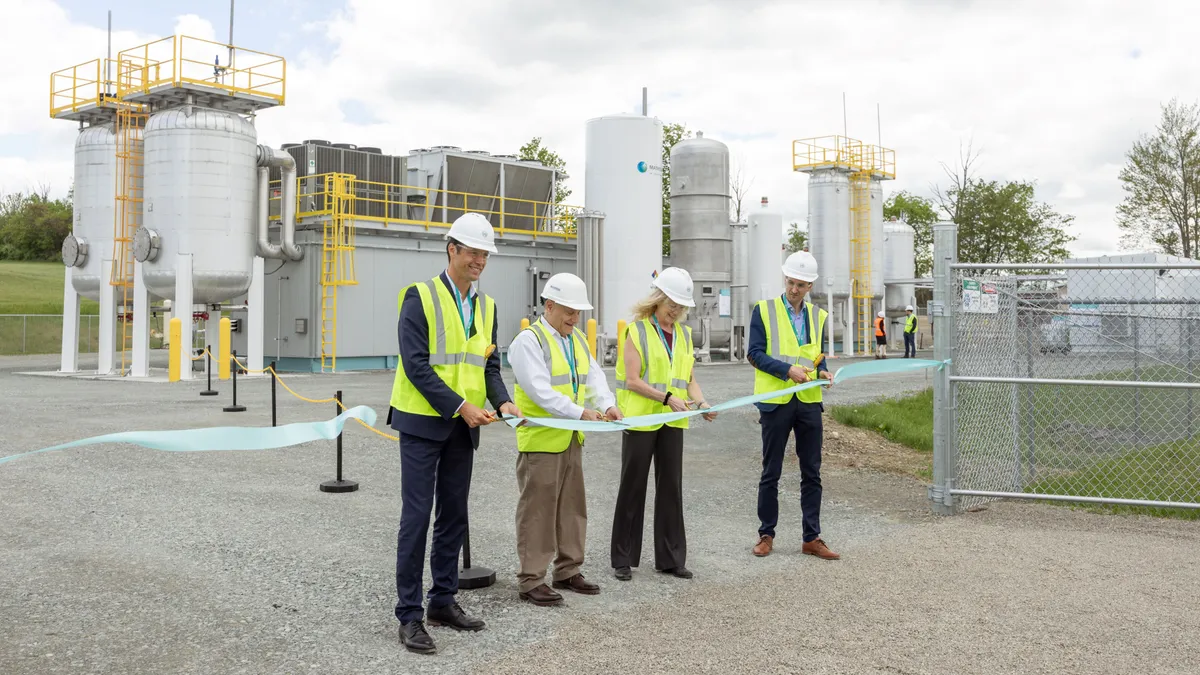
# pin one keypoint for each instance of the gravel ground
(124, 559)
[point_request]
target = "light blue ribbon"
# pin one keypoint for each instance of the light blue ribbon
(224, 438)
(846, 373)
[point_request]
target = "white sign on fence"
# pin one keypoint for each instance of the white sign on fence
(980, 298)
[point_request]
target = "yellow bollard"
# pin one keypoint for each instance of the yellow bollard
(591, 336)
(223, 349)
(620, 340)
(175, 333)
(524, 324)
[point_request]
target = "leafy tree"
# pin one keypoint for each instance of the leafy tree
(739, 187)
(33, 226)
(920, 214)
(534, 150)
(797, 239)
(672, 134)
(1161, 179)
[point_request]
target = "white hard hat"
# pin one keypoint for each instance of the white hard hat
(881, 315)
(801, 265)
(472, 229)
(908, 308)
(677, 284)
(567, 289)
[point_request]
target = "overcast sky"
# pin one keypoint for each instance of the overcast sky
(1048, 90)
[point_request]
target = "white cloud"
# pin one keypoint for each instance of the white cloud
(1048, 91)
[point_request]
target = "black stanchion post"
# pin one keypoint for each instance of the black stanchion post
(339, 485)
(473, 577)
(208, 364)
(235, 407)
(274, 416)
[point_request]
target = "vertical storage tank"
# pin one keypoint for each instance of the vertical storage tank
(623, 179)
(701, 238)
(764, 254)
(91, 238)
(878, 253)
(829, 230)
(899, 263)
(200, 181)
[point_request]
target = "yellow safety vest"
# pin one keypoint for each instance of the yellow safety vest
(783, 345)
(544, 439)
(458, 361)
(662, 372)
(910, 324)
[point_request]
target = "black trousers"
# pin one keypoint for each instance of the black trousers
(804, 420)
(429, 468)
(910, 344)
(663, 446)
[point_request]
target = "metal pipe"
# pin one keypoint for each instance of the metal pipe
(1078, 266)
(1076, 383)
(269, 157)
(1086, 500)
(945, 242)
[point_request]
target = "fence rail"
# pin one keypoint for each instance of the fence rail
(1067, 382)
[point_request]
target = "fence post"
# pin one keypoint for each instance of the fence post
(24, 331)
(941, 311)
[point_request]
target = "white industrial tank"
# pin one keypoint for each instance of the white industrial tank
(200, 172)
(91, 238)
(739, 298)
(829, 229)
(765, 254)
(701, 239)
(623, 180)
(899, 263)
(877, 237)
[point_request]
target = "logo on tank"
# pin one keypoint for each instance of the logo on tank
(646, 167)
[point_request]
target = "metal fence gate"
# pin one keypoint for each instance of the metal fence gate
(1069, 382)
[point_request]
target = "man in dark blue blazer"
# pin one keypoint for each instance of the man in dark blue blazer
(438, 374)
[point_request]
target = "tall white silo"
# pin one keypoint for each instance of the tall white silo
(899, 263)
(829, 242)
(764, 253)
(623, 180)
(701, 239)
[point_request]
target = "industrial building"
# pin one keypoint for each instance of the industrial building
(308, 246)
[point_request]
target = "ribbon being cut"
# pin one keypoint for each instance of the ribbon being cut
(267, 438)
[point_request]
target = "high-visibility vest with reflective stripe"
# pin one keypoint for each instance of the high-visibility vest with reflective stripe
(879, 327)
(544, 439)
(458, 361)
(783, 345)
(663, 373)
(910, 324)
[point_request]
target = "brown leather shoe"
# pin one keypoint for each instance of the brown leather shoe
(579, 585)
(818, 548)
(542, 596)
(764, 545)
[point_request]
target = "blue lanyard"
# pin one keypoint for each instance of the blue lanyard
(570, 354)
(670, 352)
(792, 319)
(463, 317)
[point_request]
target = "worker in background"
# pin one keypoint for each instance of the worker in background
(448, 370)
(910, 333)
(880, 336)
(655, 376)
(556, 377)
(787, 336)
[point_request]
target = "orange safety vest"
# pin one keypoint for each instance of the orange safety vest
(879, 326)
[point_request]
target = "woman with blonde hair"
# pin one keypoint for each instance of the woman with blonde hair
(654, 375)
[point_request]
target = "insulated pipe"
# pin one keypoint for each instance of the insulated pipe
(269, 157)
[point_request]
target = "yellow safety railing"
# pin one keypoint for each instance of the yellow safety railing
(841, 152)
(181, 59)
(78, 86)
(429, 208)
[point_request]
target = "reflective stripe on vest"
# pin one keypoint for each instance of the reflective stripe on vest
(545, 439)
(911, 323)
(783, 346)
(660, 372)
(458, 360)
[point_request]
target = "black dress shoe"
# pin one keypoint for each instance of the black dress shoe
(681, 572)
(623, 573)
(415, 638)
(453, 616)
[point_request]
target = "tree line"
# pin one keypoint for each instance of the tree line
(33, 226)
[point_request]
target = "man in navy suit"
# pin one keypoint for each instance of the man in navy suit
(448, 367)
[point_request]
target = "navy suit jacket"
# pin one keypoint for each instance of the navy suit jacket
(413, 333)
(757, 352)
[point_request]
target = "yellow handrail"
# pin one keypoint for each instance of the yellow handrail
(181, 59)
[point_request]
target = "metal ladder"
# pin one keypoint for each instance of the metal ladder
(127, 217)
(860, 264)
(337, 260)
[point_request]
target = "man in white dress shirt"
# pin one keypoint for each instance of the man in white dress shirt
(556, 377)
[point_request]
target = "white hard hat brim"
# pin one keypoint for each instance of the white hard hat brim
(581, 306)
(480, 244)
(802, 277)
(676, 298)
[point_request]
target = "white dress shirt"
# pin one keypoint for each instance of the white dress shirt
(529, 367)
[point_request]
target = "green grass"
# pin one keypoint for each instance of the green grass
(35, 288)
(907, 421)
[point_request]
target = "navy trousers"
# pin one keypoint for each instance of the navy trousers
(910, 344)
(428, 469)
(804, 420)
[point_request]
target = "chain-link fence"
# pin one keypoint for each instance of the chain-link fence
(1075, 382)
(42, 333)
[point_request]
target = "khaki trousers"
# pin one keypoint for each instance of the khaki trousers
(551, 514)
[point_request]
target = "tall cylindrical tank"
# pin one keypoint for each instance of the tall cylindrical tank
(899, 263)
(740, 286)
(829, 229)
(200, 186)
(623, 180)
(701, 239)
(91, 238)
(878, 253)
(765, 253)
